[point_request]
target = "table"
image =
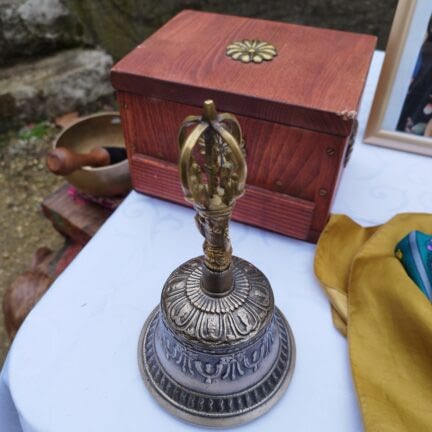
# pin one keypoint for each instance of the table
(73, 365)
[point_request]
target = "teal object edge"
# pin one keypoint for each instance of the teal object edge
(415, 253)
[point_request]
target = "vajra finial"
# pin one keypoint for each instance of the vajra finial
(213, 173)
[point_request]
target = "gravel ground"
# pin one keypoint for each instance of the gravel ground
(24, 182)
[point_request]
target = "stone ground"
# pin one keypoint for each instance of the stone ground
(24, 181)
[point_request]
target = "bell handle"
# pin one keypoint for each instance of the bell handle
(234, 145)
(187, 147)
(233, 123)
(187, 123)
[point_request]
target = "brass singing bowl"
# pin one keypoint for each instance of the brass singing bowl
(97, 130)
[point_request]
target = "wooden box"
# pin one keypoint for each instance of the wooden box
(297, 111)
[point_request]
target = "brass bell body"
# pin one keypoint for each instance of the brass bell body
(216, 351)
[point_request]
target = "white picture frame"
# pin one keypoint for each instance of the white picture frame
(406, 39)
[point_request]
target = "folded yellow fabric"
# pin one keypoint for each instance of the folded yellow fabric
(387, 319)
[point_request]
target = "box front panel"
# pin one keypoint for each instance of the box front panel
(295, 168)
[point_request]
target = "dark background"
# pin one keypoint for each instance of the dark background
(119, 25)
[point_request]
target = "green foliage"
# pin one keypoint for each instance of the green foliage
(4, 139)
(37, 131)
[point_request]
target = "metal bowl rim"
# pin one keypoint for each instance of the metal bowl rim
(81, 120)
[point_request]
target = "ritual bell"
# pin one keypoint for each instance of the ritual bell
(216, 351)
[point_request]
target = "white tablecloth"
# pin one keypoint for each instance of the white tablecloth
(73, 365)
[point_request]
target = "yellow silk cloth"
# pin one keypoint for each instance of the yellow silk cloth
(386, 317)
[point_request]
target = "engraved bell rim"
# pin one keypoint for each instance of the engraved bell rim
(182, 409)
(218, 349)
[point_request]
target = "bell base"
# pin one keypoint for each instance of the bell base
(216, 410)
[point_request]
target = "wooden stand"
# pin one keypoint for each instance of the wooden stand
(75, 216)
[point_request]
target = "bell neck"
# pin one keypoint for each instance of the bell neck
(217, 266)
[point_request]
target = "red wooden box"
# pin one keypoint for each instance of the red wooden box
(297, 111)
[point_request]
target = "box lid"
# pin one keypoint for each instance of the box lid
(314, 82)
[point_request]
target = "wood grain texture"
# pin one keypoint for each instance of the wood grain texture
(281, 160)
(77, 219)
(276, 212)
(296, 111)
(317, 76)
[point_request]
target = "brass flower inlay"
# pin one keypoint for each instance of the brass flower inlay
(251, 51)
